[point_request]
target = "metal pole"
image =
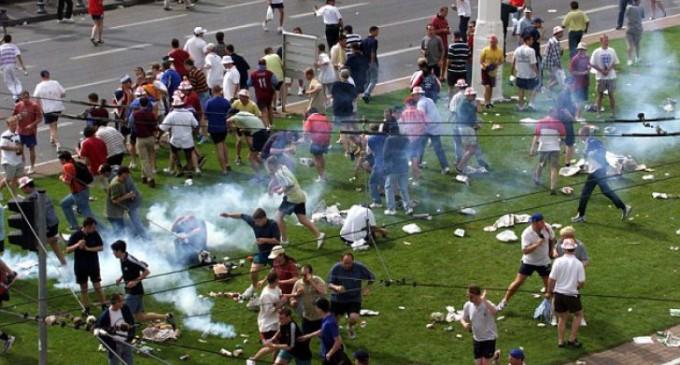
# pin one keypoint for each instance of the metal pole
(41, 222)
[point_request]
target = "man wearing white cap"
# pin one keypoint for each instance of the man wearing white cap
(567, 277)
(454, 104)
(214, 70)
(553, 59)
(434, 129)
(187, 5)
(231, 79)
(180, 123)
(194, 46)
(524, 23)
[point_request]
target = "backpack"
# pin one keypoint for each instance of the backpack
(431, 87)
(83, 174)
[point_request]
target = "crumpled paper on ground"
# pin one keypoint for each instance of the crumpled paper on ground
(509, 220)
(507, 236)
(657, 195)
(368, 313)
(459, 232)
(332, 215)
(160, 333)
(411, 228)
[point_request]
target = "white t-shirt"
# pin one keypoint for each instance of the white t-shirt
(354, 227)
(326, 70)
(525, 59)
(230, 82)
(113, 139)
(483, 323)
(48, 91)
(116, 320)
(268, 317)
(194, 46)
(603, 58)
(180, 122)
(214, 70)
(464, 8)
(540, 256)
(568, 272)
(330, 14)
(9, 139)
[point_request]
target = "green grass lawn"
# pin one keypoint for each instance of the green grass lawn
(630, 259)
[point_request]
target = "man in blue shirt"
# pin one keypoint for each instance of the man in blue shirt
(370, 49)
(332, 349)
(395, 155)
(376, 144)
(216, 110)
(344, 94)
(170, 78)
(344, 281)
(595, 155)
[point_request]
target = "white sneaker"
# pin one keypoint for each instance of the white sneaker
(630, 63)
(583, 322)
(390, 212)
(132, 165)
(248, 292)
(320, 240)
(320, 179)
(409, 211)
(29, 171)
(67, 20)
(553, 321)
(264, 27)
(501, 305)
(301, 92)
(375, 205)
(8, 344)
(250, 362)
(445, 171)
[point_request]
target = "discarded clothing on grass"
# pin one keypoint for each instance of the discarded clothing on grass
(160, 332)
(544, 311)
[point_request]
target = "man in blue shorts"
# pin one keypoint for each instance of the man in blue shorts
(267, 236)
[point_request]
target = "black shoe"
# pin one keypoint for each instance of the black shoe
(85, 312)
(170, 318)
(575, 344)
(553, 192)
(152, 183)
(561, 345)
(366, 99)
(144, 180)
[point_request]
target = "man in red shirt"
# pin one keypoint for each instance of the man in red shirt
(145, 124)
(80, 193)
(441, 28)
(264, 81)
(30, 114)
(93, 151)
(178, 56)
(191, 99)
(318, 129)
(286, 269)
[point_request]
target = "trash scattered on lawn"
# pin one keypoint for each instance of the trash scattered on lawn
(507, 236)
(160, 333)
(677, 232)
(471, 170)
(459, 232)
(528, 121)
(360, 245)
(226, 353)
(670, 340)
(437, 317)
(675, 248)
(331, 214)
(425, 216)
(544, 311)
(540, 324)
(643, 340)
(306, 161)
(368, 313)
(458, 335)
(407, 243)
(496, 127)
(429, 326)
(536, 296)
(630, 309)
(669, 105)
(202, 340)
(648, 177)
(656, 195)
(609, 130)
(449, 329)
(452, 314)
(567, 190)
(569, 170)
(580, 362)
(556, 226)
(363, 324)
(463, 179)
(411, 228)
(237, 352)
(493, 229)
(674, 312)
(468, 211)
(401, 307)
(509, 220)
(498, 114)
(188, 182)
(500, 318)
(184, 357)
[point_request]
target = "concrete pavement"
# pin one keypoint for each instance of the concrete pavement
(140, 35)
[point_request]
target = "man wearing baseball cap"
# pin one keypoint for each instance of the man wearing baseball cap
(566, 279)
(231, 80)
(516, 357)
(194, 46)
(537, 241)
(553, 59)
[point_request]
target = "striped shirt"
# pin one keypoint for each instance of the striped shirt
(351, 39)
(197, 79)
(553, 55)
(8, 54)
(458, 54)
(413, 123)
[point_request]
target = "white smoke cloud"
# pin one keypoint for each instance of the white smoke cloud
(158, 251)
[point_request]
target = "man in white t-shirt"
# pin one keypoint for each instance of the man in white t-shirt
(194, 46)
(603, 62)
(180, 122)
(10, 55)
(566, 278)
(214, 71)
(464, 13)
(525, 68)
(231, 79)
(547, 138)
(537, 241)
(479, 317)
(332, 19)
(10, 154)
(270, 302)
(50, 94)
(354, 228)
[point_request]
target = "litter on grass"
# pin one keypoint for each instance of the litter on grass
(368, 313)
(674, 312)
(459, 232)
(492, 229)
(468, 211)
(507, 236)
(411, 228)
(648, 177)
(496, 127)
(567, 190)
(664, 196)
(464, 179)
(643, 340)
(529, 121)
(407, 243)
(331, 214)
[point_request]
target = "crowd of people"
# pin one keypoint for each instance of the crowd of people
(201, 91)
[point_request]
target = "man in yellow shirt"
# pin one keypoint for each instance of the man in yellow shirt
(275, 65)
(491, 59)
(577, 22)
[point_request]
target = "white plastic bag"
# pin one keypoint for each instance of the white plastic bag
(270, 14)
